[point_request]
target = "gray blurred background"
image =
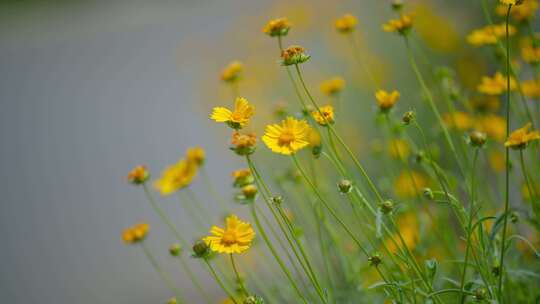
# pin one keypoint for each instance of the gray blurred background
(90, 89)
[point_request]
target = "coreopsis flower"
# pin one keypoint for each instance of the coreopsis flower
(346, 23)
(409, 228)
(523, 12)
(457, 120)
(249, 191)
(236, 237)
(242, 177)
(531, 88)
(493, 125)
(489, 35)
(477, 139)
(195, 155)
(324, 116)
(288, 137)
(511, 2)
(399, 149)
(410, 184)
(520, 138)
(277, 27)
(530, 53)
(139, 175)
(237, 118)
(386, 100)
(232, 72)
(400, 26)
(243, 144)
(176, 177)
(332, 86)
(495, 85)
(136, 233)
(294, 55)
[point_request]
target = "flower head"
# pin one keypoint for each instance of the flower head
(294, 54)
(346, 23)
(400, 26)
(242, 177)
(457, 120)
(236, 237)
(494, 126)
(531, 88)
(495, 85)
(324, 116)
(386, 100)
(136, 233)
(520, 13)
(530, 53)
(277, 27)
(410, 184)
(236, 119)
(489, 35)
(176, 177)
(399, 149)
(243, 144)
(332, 86)
(195, 155)
(232, 72)
(521, 137)
(511, 2)
(288, 137)
(139, 175)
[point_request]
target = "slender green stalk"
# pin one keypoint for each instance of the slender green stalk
(194, 279)
(166, 279)
(356, 54)
(219, 281)
(291, 78)
(469, 227)
(530, 186)
(163, 216)
(239, 279)
(507, 155)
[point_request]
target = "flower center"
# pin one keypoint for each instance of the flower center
(236, 116)
(285, 138)
(229, 237)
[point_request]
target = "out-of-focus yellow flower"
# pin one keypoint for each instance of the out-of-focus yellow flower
(521, 137)
(400, 26)
(324, 116)
(136, 233)
(236, 119)
(346, 23)
(314, 138)
(531, 88)
(176, 177)
(458, 120)
(294, 54)
(436, 30)
(410, 184)
(408, 227)
(232, 72)
(235, 238)
(495, 85)
(228, 301)
(243, 144)
(386, 100)
(139, 175)
(511, 2)
(242, 177)
(530, 54)
(489, 35)
(195, 155)
(277, 27)
(399, 149)
(288, 137)
(525, 191)
(497, 161)
(493, 125)
(485, 103)
(520, 13)
(332, 86)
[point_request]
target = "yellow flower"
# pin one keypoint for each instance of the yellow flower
(521, 137)
(497, 161)
(386, 100)
(511, 2)
(314, 138)
(496, 85)
(135, 234)
(288, 137)
(242, 177)
(176, 177)
(459, 121)
(332, 86)
(243, 144)
(410, 184)
(408, 227)
(399, 149)
(494, 126)
(520, 13)
(346, 23)
(489, 35)
(232, 72)
(530, 53)
(195, 155)
(235, 238)
(324, 116)
(138, 175)
(294, 54)
(236, 119)
(401, 25)
(277, 27)
(531, 88)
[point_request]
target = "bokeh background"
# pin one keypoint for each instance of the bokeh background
(89, 89)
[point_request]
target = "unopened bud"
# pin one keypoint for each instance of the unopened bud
(345, 186)
(175, 249)
(428, 193)
(387, 207)
(375, 260)
(408, 117)
(201, 249)
(477, 138)
(277, 200)
(480, 294)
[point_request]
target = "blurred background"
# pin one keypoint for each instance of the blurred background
(90, 89)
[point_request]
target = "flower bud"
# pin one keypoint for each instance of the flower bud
(249, 191)
(387, 207)
(277, 27)
(477, 139)
(397, 5)
(514, 217)
(428, 193)
(175, 250)
(496, 270)
(375, 259)
(345, 186)
(408, 117)
(277, 200)
(253, 300)
(480, 294)
(243, 144)
(201, 249)
(138, 176)
(294, 55)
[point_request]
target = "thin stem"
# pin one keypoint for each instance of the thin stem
(163, 216)
(530, 187)
(218, 280)
(239, 279)
(291, 78)
(194, 279)
(356, 55)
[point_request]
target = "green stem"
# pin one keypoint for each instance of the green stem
(218, 280)
(356, 55)
(239, 279)
(194, 279)
(163, 216)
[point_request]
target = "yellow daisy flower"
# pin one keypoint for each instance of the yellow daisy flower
(135, 234)
(401, 25)
(530, 53)
(346, 23)
(399, 149)
(531, 88)
(520, 13)
(489, 35)
(235, 238)
(521, 137)
(176, 177)
(332, 86)
(277, 27)
(493, 125)
(495, 85)
(459, 121)
(236, 119)
(410, 184)
(288, 137)
(138, 175)
(386, 100)
(232, 72)
(324, 116)
(195, 155)
(511, 2)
